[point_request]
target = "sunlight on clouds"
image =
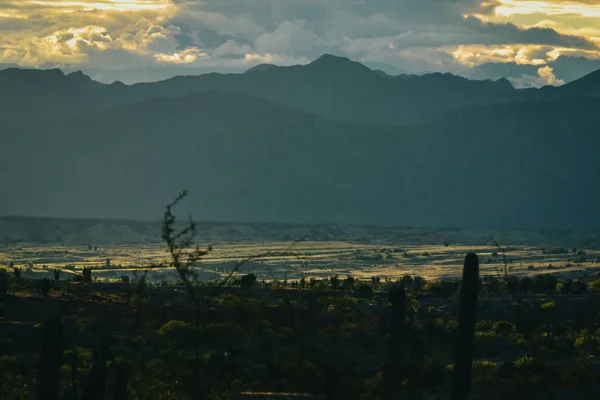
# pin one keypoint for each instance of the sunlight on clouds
(508, 8)
(188, 56)
(107, 5)
(129, 33)
(545, 76)
(472, 55)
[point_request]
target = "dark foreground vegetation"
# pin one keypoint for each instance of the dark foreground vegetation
(339, 338)
(336, 338)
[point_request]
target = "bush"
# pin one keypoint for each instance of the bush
(45, 286)
(364, 292)
(4, 283)
(443, 287)
(548, 306)
(176, 331)
(125, 279)
(523, 361)
(87, 275)
(594, 287)
(335, 282)
(504, 328)
(247, 281)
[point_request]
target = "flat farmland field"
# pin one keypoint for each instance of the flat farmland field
(279, 260)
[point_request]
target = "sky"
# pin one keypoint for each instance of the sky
(152, 39)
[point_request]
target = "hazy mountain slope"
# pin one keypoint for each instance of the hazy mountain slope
(27, 94)
(331, 87)
(246, 159)
(587, 86)
(338, 88)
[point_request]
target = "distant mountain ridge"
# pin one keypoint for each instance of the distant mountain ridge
(329, 142)
(331, 87)
(516, 165)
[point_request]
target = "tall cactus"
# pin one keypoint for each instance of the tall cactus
(394, 368)
(461, 381)
(95, 386)
(120, 382)
(50, 360)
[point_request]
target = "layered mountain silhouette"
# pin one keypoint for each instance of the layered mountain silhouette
(332, 141)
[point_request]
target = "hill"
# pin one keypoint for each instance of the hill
(527, 165)
(331, 87)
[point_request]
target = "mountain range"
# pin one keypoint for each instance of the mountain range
(331, 141)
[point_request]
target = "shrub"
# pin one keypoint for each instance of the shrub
(364, 292)
(523, 361)
(578, 286)
(302, 283)
(175, 330)
(3, 283)
(594, 287)
(247, 281)
(45, 286)
(484, 364)
(335, 282)
(503, 328)
(125, 278)
(443, 287)
(87, 275)
(548, 306)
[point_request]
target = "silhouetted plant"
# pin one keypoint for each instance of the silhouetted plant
(45, 286)
(247, 281)
(4, 283)
(50, 360)
(364, 292)
(120, 382)
(56, 274)
(17, 272)
(394, 372)
(348, 282)
(461, 380)
(334, 281)
(95, 386)
(87, 275)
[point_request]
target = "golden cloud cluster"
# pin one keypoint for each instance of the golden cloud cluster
(38, 32)
(105, 33)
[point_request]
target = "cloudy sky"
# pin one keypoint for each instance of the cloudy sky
(468, 37)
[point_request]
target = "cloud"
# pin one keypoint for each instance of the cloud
(413, 35)
(545, 76)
